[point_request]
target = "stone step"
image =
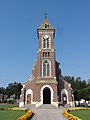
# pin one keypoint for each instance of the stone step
(47, 106)
(44, 106)
(29, 106)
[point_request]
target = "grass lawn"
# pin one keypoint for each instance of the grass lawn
(8, 105)
(10, 115)
(83, 114)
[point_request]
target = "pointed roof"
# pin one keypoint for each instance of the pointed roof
(46, 25)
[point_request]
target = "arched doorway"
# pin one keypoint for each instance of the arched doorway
(29, 96)
(46, 96)
(64, 96)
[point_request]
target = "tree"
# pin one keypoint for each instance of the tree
(88, 83)
(77, 84)
(2, 90)
(84, 93)
(14, 88)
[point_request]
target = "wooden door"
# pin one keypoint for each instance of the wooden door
(29, 99)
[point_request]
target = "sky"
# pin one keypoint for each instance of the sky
(19, 21)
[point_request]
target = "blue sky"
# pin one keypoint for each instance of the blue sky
(19, 20)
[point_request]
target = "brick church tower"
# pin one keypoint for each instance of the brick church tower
(46, 85)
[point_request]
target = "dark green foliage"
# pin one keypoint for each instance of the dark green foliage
(14, 88)
(84, 93)
(2, 90)
(81, 88)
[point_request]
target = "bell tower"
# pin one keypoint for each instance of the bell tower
(46, 51)
(46, 85)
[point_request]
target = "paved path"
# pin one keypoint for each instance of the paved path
(48, 114)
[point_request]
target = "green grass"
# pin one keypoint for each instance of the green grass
(8, 105)
(10, 115)
(82, 114)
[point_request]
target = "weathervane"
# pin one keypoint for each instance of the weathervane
(45, 14)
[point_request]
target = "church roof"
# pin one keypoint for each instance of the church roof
(46, 25)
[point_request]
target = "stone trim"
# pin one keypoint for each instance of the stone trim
(41, 92)
(46, 82)
(55, 104)
(29, 91)
(38, 104)
(49, 41)
(49, 69)
(21, 104)
(64, 91)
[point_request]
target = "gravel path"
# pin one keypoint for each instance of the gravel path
(48, 114)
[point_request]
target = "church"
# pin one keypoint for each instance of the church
(46, 85)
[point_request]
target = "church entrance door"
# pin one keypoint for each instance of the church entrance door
(46, 96)
(29, 99)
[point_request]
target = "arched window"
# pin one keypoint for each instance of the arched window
(46, 41)
(46, 69)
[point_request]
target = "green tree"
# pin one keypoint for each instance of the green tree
(14, 88)
(77, 85)
(2, 90)
(84, 93)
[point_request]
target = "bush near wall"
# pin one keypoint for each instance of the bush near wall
(70, 116)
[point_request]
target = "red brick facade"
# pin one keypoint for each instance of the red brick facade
(46, 85)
